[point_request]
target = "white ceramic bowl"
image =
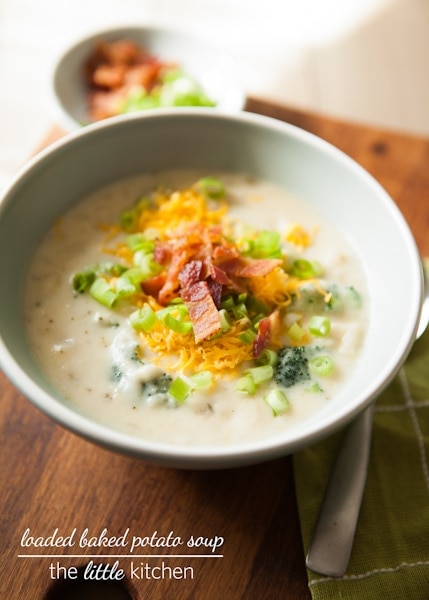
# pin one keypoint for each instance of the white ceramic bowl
(208, 64)
(185, 138)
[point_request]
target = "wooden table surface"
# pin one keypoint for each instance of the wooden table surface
(55, 484)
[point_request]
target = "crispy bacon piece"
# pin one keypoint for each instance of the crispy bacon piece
(228, 282)
(144, 75)
(219, 275)
(177, 254)
(162, 253)
(241, 267)
(276, 322)
(267, 328)
(215, 291)
(263, 337)
(171, 286)
(109, 76)
(226, 251)
(154, 285)
(202, 310)
(104, 104)
(182, 252)
(200, 271)
(114, 68)
(190, 273)
(125, 52)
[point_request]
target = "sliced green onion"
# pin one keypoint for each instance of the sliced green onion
(179, 389)
(256, 306)
(240, 311)
(257, 318)
(162, 312)
(102, 292)
(227, 303)
(321, 365)
(182, 387)
(267, 245)
(225, 321)
(182, 91)
(82, 281)
(201, 380)
(296, 332)
(177, 325)
(170, 75)
(151, 234)
(124, 287)
(138, 241)
(178, 310)
(248, 336)
(143, 318)
(303, 268)
(319, 326)
(128, 219)
(109, 268)
(246, 384)
(261, 374)
(144, 261)
(143, 203)
(176, 301)
(247, 246)
(277, 401)
(267, 357)
(317, 268)
(129, 283)
(134, 275)
(140, 100)
(212, 187)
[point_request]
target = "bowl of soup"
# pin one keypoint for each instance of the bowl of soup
(125, 69)
(202, 289)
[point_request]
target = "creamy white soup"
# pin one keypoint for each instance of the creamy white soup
(195, 309)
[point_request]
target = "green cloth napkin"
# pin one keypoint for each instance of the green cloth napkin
(390, 556)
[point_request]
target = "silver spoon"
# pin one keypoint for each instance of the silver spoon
(332, 542)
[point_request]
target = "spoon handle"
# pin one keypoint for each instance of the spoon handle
(333, 536)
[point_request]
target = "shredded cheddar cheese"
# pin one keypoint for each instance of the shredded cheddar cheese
(220, 355)
(298, 236)
(275, 289)
(178, 209)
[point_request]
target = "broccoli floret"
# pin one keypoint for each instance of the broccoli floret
(116, 373)
(291, 366)
(340, 299)
(159, 385)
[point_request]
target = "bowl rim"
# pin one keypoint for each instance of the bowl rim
(208, 457)
(65, 118)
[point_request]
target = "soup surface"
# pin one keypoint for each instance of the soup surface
(189, 309)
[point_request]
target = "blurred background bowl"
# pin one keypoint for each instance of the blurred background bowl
(303, 164)
(207, 64)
